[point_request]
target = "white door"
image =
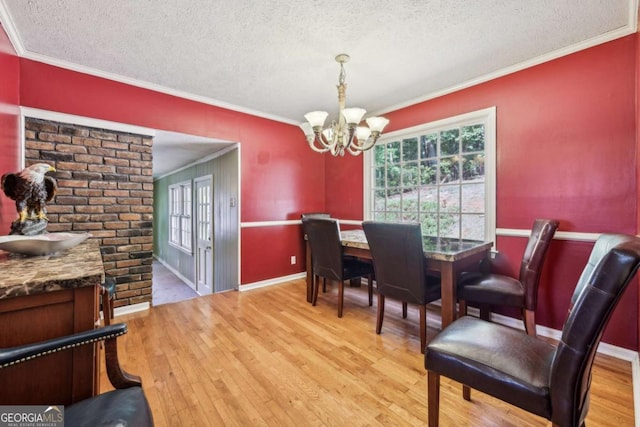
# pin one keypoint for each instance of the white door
(204, 237)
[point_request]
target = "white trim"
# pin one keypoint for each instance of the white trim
(559, 235)
(152, 86)
(238, 216)
(269, 223)
(11, 29)
(270, 282)
(55, 116)
(22, 142)
(133, 308)
(211, 156)
(349, 221)
(630, 28)
(181, 186)
(635, 379)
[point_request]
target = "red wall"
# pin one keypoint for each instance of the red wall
(281, 176)
(566, 149)
(9, 123)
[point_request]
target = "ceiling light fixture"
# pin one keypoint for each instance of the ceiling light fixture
(345, 135)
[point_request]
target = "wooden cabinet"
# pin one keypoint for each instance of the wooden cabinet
(47, 297)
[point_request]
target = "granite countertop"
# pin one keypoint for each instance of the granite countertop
(74, 268)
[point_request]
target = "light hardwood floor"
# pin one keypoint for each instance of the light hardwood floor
(267, 357)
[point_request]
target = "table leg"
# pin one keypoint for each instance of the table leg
(448, 289)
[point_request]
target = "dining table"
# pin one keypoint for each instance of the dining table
(445, 256)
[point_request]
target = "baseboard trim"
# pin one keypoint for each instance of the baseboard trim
(635, 382)
(133, 308)
(270, 282)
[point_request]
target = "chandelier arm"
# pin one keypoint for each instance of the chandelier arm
(368, 144)
(352, 151)
(312, 143)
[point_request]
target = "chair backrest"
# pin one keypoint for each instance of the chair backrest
(612, 264)
(315, 215)
(533, 259)
(324, 239)
(398, 260)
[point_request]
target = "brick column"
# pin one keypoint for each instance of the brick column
(105, 187)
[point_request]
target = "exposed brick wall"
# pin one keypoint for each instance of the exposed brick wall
(105, 187)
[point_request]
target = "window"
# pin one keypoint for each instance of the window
(440, 174)
(180, 221)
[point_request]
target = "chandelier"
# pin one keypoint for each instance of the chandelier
(345, 135)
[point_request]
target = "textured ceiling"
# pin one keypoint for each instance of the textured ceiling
(276, 58)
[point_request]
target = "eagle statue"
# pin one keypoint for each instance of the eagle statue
(31, 189)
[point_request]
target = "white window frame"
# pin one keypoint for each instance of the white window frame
(487, 117)
(181, 216)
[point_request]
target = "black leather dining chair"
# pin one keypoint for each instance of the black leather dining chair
(548, 380)
(127, 405)
(490, 289)
(317, 215)
(328, 258)
(398, 262)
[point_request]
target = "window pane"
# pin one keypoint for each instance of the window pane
(428, 172)
(473, 227)
(473, 198)
(394, 216)
(429, 224)
(380, 175)
(450, 198)
(410, 200)
(429, 199)
(379, 200)
(449, 169)
(410, 217)
(473, 167)
(393, 200)
(410, 174)
(393, 176)
(409, 149)
(472, 138)
(393, 152)
(379, 153)
(449, 142)
(449, 225)
(429, 146)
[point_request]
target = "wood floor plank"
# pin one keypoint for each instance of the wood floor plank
(266, 357)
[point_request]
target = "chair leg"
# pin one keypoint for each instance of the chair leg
(340, 297)
(462, 307)
(404, 309)
(370, 283)
(433, 399)
(316, 285)
(530, 322)
(485, 312)
(466, 392)
(423, 327)
(324, 285)
(380, 316)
